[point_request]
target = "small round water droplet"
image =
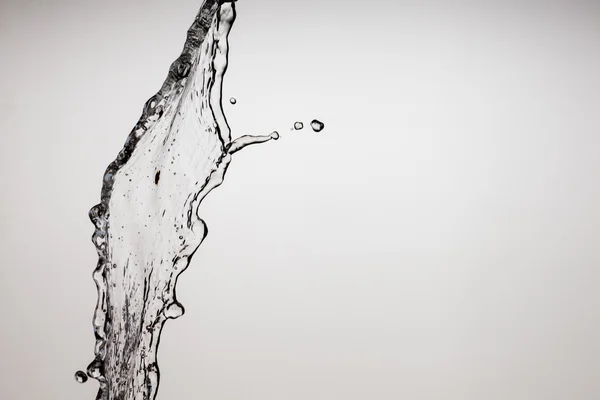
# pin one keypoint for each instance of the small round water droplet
(275, 135)
(174, 311)
(317, 125)
(298, 125)
(94, 370)
(81, 377)
(233, 100)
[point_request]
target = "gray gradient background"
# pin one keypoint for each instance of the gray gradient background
(439, 240)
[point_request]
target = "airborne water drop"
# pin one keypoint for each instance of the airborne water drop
(298, 125)
(81, 377)
(317, 125)
(233, 100)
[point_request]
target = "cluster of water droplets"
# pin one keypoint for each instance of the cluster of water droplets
(315, 124)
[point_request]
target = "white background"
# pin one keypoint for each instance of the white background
(440, 239)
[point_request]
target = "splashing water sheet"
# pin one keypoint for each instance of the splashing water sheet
(147, 226)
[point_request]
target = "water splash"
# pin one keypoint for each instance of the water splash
(317, 125)
(147, 225)
(298, 125)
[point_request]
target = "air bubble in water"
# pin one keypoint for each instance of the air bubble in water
(233, 100)
(298, 125)
(317, 125)
(81, 377)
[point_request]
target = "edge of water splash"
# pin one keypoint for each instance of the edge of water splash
(99, 214)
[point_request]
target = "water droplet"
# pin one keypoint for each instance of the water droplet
(174, 311)
(317, 125)
(233, 100)
(275, 135)
(81, 377)
(298, 125)
(94, 370)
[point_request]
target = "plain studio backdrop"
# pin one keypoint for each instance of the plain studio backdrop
(440, 239)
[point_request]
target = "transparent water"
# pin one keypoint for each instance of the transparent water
(147, 226)
(317, 125)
